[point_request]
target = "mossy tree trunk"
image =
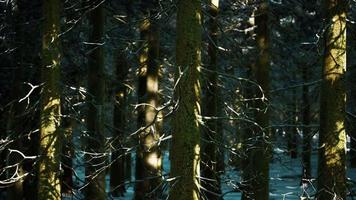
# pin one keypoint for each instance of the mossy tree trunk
(260, 152)
(210, 149)
(185, 149)
(332, 137)
(148, 156)
(95, 158)
(50, 138)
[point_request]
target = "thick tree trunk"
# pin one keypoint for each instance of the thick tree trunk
(148, 156)
(50, 138)
(185, 149)
(95, 171)
(210, 149)
(332, 137)
(259, 155)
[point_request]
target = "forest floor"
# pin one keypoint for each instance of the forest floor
(285, 178)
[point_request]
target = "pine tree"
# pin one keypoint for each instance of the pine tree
(148, 156)
(117, 169)
(332, 137)
(95, 159)
(260, 152)
(211, 133)
(185, 149)
(50, 138)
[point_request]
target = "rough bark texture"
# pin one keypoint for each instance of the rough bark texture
(185, 149)
(50, 139)
(332, 137)
(259, 155)
(117, 170)
(148, 156)
(211, 132)
(95, 171)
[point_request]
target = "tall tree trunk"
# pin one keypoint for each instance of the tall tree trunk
(67, 156)
(94, 171)
(210, 149)
(16, 127)
(148, 156)
(117, 173)
(351, 115)
(292, 129)
(259, 155)
(50, 138)
(185, 150)
(332, 137)
(307, 135)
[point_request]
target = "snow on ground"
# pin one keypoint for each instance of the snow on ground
(285, 178)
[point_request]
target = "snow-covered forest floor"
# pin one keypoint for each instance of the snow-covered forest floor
(285, 177)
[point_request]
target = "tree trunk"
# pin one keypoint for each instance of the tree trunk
(185, 149)
(148, 156)
(259, 155)
(211, 133)
(67, 156)
(50, 138)
(95, 170)
(117, 173)
(16, 127)
(351, 116)
(307, 135)
(292, 130)
(332, 137)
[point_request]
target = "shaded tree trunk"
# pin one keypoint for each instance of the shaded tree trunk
(50, 138)
(16, 127)
(117, 173)
(148, 156)
(185, 149)
(292, 130)
(67, 156)
(351, 113)
(307, 135)
(332, 137)
(259, 155)
(95, 164)
(211, 134)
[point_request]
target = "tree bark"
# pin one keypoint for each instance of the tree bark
(211, 134)
(185, 149)
(50, 138)
(332, 137)
(307, 135)
(148, 156)
(95, 165)
(117, 173)
(260, 154)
